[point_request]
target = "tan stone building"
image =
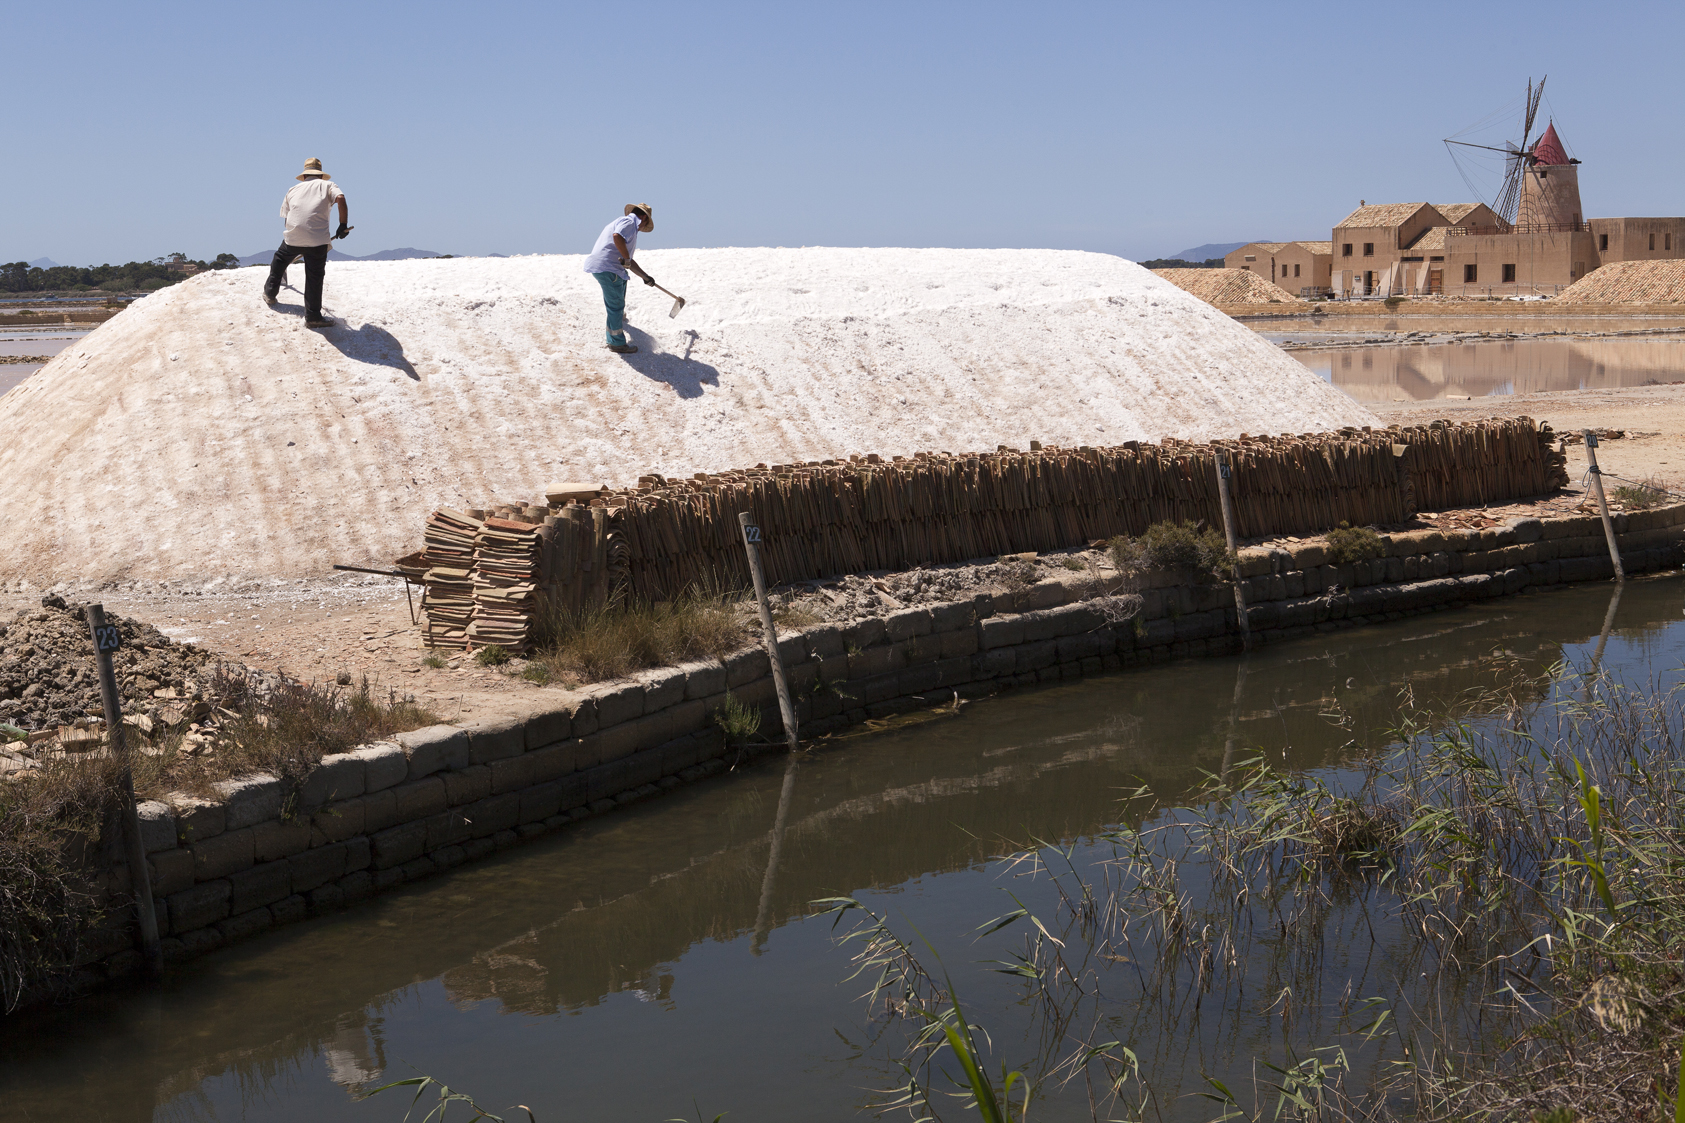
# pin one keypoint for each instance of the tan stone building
(1299, 267)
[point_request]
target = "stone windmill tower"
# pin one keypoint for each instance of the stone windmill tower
(1550, 185)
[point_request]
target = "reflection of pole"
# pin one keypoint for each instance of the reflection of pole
(1234, 717)
(1603, 636)
(1603, 504)
(1229, 534)
(762, 913)
(751, 540)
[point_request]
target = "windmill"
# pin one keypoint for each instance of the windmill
(1517, 157)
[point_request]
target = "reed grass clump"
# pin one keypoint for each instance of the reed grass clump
(630, 635)
(1641, 496)
(1189, 546)
(1347, 543)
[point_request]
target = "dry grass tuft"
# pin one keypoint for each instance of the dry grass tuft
(616, 640)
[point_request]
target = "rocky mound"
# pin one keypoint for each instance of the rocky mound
(201, 435)
(48, 675)
(1629, 282)
(1228, 286)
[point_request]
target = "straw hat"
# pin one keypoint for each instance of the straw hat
(644, 213)
(312, 169)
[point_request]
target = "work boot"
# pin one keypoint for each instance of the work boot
(270, 296)
(318, 321)
(623, 348)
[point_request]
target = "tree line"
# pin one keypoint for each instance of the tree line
(20, 276)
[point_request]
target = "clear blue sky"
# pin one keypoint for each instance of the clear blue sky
(1138, 129)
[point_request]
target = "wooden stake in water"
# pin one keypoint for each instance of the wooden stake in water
(1603, 504)
(107, 640)
(1229, 535)
(751, 544)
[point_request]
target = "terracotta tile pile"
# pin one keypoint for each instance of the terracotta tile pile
(1629, 282)
(447, 599)
(1228, 286)
(505, 584)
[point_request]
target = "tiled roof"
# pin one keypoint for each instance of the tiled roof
(1433, 240)
(1381, 214)
(1317, 247)
(1227, 286)
(1456, 212)
(1267, 247)
(1629, 282)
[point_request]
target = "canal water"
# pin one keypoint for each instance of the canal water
(1421, 371)
(32, 342)
(657, 962)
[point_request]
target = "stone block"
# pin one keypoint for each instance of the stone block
(510, 775)
(585, 721)
(1043, 594)
(356, 887)
(586, 751)
(384, 765)
(954, 616)
(222, 855)
(493, 814)
(289, 910)
(249, 799)
(876, 689)
(1078, 647)
(575, 791)
(704, 679)
(918, 680)
(198, 907)
(476, 848)
(196, 818)
(335, 777)
(1035, 656)
(359, 854)
(282, 838)
(471, 784)
(418, 799)
(824, 642)
(339, 821)
(433, 749)
(551, 762)
(1001, 631)
(792, 649)
(259, 886)
(396, 845)
(663, 688)
(540, 801)
(874, 661)
(317, 867)
(448, 857)
(1527, 529)
(245, 925)
(496, 739)
(833, 668)
(991, 664)
(952, 672)
(171, 871)
(862, 634)
(448, 828)
(746, 667)
(898, 627)
(963, 641)
(380, 810)
(551, 727)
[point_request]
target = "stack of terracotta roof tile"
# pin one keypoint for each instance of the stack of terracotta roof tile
(505, 584)
(448, 596)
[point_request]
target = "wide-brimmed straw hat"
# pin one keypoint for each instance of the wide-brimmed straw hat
(644, 213)
(312, 169)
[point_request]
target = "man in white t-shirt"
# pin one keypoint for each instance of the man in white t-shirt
(304, 213)
(609, 260)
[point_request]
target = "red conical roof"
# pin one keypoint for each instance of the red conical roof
(1548, 149)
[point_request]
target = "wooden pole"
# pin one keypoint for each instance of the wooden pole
(1223, 470)
(1603, 504)
(106, 640)
(751, 544)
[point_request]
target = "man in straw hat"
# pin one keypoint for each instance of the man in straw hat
(609, 260)
(305, 214)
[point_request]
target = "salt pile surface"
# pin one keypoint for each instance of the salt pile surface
(202, 435)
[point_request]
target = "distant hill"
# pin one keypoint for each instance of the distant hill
(43, 263)
(404, 254)
(1214, 249)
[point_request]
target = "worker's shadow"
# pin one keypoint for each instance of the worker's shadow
(370, 343)
(684, 374)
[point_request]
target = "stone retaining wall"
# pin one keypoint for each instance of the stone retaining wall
(371, 820)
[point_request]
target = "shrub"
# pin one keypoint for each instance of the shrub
(1638, 497)
(738, 719)
(623, 637)
(433, 659)
(1347, 543)
(491, 655)
(1172, 545)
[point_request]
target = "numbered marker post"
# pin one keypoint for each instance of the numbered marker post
(1223, 473)
(751, 544)
(1603, 505)
(108, 639)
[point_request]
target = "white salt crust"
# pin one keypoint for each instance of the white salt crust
(202, 435)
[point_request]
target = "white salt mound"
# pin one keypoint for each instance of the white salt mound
(202, 435)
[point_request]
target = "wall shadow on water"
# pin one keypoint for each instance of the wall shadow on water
(565, 924)
(684, 374)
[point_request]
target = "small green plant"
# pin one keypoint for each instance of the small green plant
(738, 719)
(433, 659)
(1075, 565)
(1171, 545)
(492, 655)
(1347, 543)
(447, 1096)
(1641, 496)
(536, 672)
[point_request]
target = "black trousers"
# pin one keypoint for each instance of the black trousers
(315, 266)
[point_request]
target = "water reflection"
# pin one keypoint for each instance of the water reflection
(1419, 372)
(610, 974)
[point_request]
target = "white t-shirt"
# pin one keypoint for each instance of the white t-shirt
(604, 258)
(305, 212)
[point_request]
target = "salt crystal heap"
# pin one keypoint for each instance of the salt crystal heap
(202, 435)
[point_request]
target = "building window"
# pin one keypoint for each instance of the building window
(1509, 274)
(1369, 249)
(1667, 241)
(1471, 274)
(1603, 241)
(1579, 269)
(1436, 259)
(1248, 268)
(1652, 241)
(1295, 270)
(1345, 249)
(1250, 257)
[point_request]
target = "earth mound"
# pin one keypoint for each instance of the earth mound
(1228, 286)
(1628, 282)
(202, 436)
